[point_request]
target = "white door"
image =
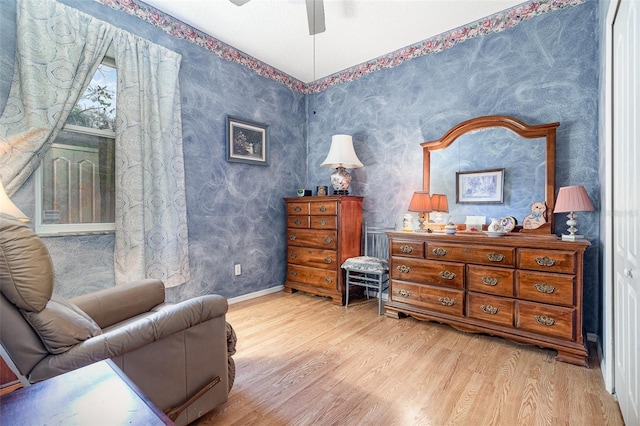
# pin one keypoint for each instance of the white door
(626, 207)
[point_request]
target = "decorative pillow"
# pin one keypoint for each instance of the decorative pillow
(61, 325)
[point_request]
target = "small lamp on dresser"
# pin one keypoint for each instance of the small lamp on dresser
(572, 199)
(439, 205)
(421, 203)
(341, 156)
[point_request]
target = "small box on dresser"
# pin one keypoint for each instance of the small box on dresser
(322, 232)
(525, 288)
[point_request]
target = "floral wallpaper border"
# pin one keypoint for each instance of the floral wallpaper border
(489, 25)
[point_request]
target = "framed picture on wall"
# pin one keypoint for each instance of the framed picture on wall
(247, 142)
(480, 187)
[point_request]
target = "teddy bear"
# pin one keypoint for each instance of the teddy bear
(537, 217)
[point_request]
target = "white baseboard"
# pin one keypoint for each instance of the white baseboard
(255, 294)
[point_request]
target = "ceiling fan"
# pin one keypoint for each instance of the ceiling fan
(315, 14)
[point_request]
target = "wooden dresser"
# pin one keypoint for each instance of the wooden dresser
(525, 288)
(322, 232)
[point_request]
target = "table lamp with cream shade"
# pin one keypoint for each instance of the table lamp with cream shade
(341, 156)
(421, 203)
(7, 206)
(572, 199)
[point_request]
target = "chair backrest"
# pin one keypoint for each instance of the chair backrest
(375, 241)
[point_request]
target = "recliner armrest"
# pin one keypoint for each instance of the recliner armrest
(112, 305)
(134, 335)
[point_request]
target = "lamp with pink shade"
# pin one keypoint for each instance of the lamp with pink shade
(572, 199)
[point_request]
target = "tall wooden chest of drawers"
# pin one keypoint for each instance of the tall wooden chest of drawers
(322, 232)
(521, 287)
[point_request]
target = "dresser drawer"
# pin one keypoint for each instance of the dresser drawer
(439, 299)
(407, 249)
(317, 258)
(429, 272)
(298, 222)
(324, 222)
(300, 208)
(317, 277)
(557, 289)
(312, 238)
(497, 310)
(554, 321)
(321, 208)
(485, 279)
(485, 255)
(547, 260)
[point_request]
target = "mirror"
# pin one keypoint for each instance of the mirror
(525, 153)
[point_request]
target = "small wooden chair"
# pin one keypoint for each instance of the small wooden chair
(372, 269)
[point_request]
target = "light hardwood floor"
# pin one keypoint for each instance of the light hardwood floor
(302, 360)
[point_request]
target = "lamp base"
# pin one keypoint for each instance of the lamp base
(340, 180)
(572, 237)
(341, 192)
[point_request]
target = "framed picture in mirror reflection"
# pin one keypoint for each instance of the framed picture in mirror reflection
(480, 187)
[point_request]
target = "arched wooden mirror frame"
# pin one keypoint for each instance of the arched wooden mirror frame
(547, 131)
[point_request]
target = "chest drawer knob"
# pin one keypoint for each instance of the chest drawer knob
(298, 222)
(544, 320)
(545, 261)
(328, 260)
(495, 257)
(293, 273)
(328, 240)
(328, 280)
(439, 251)
(322, 222)
(292, 237)
(446, 301)
(489, 280)
(406, 249)
(489, 309)
(293, 255)
(544, 287)
(404, 269)
(323, 208)
(404, 293)
(447, 275)
(297, 209)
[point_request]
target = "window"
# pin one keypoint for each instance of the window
(75, 183)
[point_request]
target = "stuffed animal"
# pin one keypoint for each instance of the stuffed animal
(537, 217)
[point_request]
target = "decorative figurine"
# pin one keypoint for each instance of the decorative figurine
(537, 217)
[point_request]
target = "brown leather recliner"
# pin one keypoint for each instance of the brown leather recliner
(172, 352)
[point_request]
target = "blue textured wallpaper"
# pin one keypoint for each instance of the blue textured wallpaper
(543, 70)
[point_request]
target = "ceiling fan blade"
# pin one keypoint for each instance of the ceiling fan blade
(315, 16)
(239, 2)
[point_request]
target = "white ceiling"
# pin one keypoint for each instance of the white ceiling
(276, 31)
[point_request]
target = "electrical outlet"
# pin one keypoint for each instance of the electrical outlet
(238, 269)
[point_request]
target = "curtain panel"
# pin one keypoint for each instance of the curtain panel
(57, 53)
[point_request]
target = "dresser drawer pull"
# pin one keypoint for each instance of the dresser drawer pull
(447, 275)
(404, 269)
(328, 240)
(446, 301)
(297, 209)
(489, 280)
(328, 280)
(544, 320)
(495, 257)
(292, 237)
(328, 260)
(406, 249)
(298, 222)
(439, 251)
(404, 293)
(545, 261)
(323, 209)
(544, 288)
(293, 273)
(293, 256)
(323, 222)
(489, 309)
